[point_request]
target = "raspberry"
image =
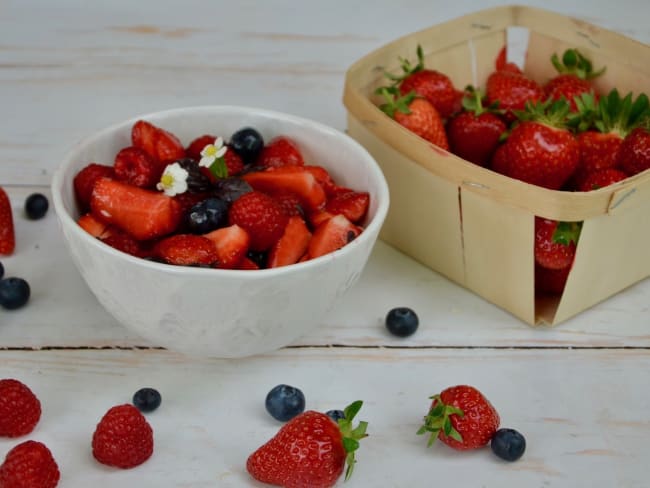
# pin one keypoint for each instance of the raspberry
(20, 410)
(134, 166)
(29, 464)
(234, 162)
(290, 203)
(85, 180)
(260, 216)
(123, 438)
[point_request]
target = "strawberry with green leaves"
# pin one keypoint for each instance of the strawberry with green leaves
(416, 114)
(555, 242)
(474, 134)
(634, 154)
(432, 85)
(608, 121)
(574, 78)
(461, 417)
(310, 450)
(511, 89)
(541, 150)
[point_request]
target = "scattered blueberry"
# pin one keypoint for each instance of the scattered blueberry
(230, 189)
(206, 216)
(146, 399)
(508, 444)
(248, 143)
(2, 271)
(36, 206)
(335, 415)
(402, 321)
(284, 402)
(14, 293)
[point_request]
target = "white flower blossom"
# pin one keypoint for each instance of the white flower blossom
(212, 152)
(173, 180)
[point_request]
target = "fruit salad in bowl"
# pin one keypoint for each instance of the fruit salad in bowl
(220, 231)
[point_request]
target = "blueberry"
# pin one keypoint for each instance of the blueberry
(14, 293)
(335, 415)
(258, 257)
(36, 206)
(146, 399)
(284, 402)
(2, 271)
(508, 444)
(402, 321)
(208, 215)
(247, 143)
(230, 189)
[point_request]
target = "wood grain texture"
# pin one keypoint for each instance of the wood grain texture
(212, 414)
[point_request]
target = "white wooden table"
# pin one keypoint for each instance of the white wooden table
(578, 392)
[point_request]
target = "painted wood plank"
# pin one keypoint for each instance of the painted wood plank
(69, 315)
(582, 412)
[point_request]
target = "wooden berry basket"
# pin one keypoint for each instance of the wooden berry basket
(476, 226)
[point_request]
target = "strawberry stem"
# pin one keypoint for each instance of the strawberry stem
(407, 68)
(566, 233)
(438, 419)
(574, 62)
(351, 436)
(394, 102)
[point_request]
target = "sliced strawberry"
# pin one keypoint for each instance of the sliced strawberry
(289, 201)
(84, 182)
(186, 250)
(323, 177)
(231, 244)
(144, 214)
(318, 217)
(160, 144)
(331, 235)
(352, 204)
(7, 235)
(280, 151)
(289, 178)
(93, 226)
(247, 263)
(122, 241)
(196, 146)
(135, 167)
(292, 245)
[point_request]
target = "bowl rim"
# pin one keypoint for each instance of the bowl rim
(66, 220)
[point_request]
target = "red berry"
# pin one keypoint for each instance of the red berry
(196, 146)
(634, 153)
(162, 146)
(280, 151)
(292, 245)
(234, 162)
(85, 180)
(261, 217)
(231, 244)
(296, 179)
(123, 438)
(550, 281)
(550, 251)
(601, 179)
(30, 464)
(122, 241)
(462, 418)
(352, 204)
(7, 235)
(289, 201)
(135, 167)
(186, 250)
(20, 410)
(332, 234)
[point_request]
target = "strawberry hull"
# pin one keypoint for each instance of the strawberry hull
(476, 226)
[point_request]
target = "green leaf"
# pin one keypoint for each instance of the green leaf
(352, 410)
(454, 434)
(360, 430)
(570, 58)
(567, 232)
(447, 426)
(350, 445)
(351, 461)
(438, 410)
(219, 168)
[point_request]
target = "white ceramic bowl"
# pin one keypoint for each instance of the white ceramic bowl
(222, 313)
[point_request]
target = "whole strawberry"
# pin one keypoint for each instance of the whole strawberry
(417, 115)
(474, 134)
(634, 153)
(20, 410)
(541, 150)
(280, 151)
(123, 438)
(511, 90)
(461, 417)
(261, 216)
(550, 281)
(29, 465)
(432, 85)
(310, 450)
(601, 179)
(574, 78)
(555, 242)
(7, 235)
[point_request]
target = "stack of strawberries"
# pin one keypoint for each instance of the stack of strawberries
(246, 204)
(561, 135)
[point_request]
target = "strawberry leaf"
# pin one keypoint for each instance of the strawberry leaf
(219, 168)
(350, 437)
(566, 233)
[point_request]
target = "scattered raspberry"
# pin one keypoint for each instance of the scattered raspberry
(29, 465)
(85, 180)
(260, 216)
(134, 166)
(20, 410)
(123, 438)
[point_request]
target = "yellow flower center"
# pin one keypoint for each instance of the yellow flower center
(167, 180)
(210, 150)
